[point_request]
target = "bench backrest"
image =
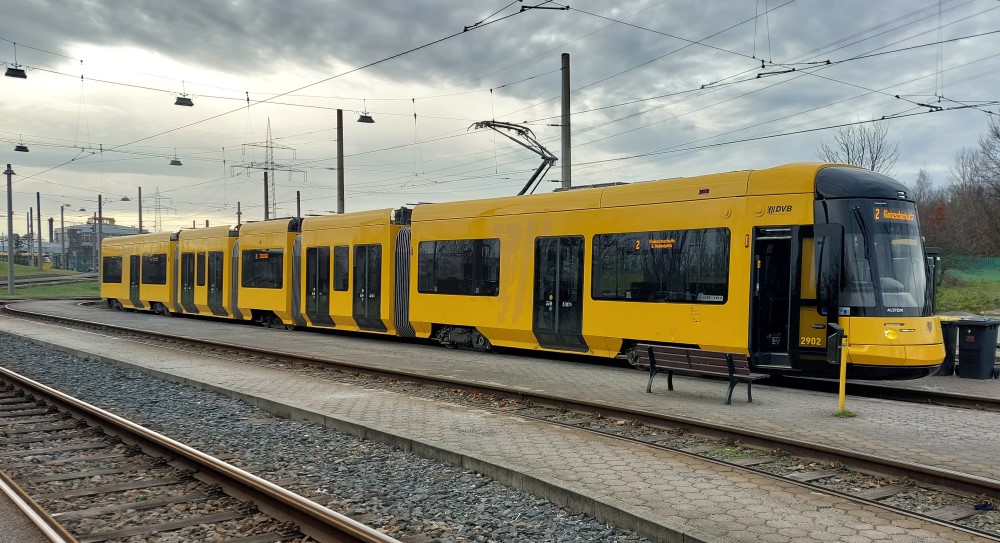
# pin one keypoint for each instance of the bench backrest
(679, 358)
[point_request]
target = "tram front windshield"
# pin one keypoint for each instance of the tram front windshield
(884, 271)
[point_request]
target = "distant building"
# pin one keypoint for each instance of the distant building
(81, 241)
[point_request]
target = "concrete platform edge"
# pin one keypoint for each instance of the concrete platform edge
(560, 495)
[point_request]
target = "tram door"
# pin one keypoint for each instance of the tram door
(187, 282)
(557, 319)
(134, 274)
(317, 285)
(772, 289)
(796, 289)
(216, 279)
(368, 287)
(816, 285)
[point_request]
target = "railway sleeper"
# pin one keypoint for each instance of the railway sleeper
(464, 337)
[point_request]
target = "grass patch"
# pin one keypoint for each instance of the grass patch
(974, 296)
(31, 271)
(65, 290)
(732, 452)
(845, 414)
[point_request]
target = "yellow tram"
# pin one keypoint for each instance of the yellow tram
(757, 262)
(137, 271)
(205, 271)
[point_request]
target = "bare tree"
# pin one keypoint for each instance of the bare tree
(974, 199)
(865, 145)
(989, 156)
(966, 167)
(923, 187)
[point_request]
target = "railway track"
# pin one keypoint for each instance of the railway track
(899, 394)
(859, 389)
(86, 475)
(939, 495)
(33, 281)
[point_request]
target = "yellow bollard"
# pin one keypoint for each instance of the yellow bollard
(843, 374)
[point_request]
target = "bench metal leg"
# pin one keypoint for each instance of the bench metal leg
(732, 379)
(732, 386)
(729, 395)
(670, 380)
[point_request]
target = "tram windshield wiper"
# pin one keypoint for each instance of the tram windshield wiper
(856, 211)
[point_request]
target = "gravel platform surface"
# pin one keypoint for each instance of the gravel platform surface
(411, 498)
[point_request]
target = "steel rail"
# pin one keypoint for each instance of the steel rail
(858, 459)
(37, 514)
(312, 519)
(872, 390)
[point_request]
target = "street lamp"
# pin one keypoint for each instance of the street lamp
(18, 72)
(10, 233)
(365, 117)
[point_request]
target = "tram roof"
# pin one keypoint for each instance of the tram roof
(375, 217)
(784, 179)
(270, 226)
(208, 233)
(158, 237)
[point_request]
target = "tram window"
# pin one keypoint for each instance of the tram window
(263, 268)
(902, 274)
(469, 267)
(154, 269)
(111, 269)
(200, 266)
(341, 267)
(858, 289)
(690, 266)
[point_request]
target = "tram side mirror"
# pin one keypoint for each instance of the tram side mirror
(830, 263)
(835, 333)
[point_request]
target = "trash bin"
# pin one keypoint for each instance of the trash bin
(977, 345)
(949, 329)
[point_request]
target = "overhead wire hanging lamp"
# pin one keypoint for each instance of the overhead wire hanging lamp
(15, 70)
(175, 161)
(21, 147)
(365, 117)
(183, 99)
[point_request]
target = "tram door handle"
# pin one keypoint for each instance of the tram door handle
(756, 288)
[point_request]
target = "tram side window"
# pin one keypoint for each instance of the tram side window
(341, 265)
(154, 269)
(690, 266)
(111, 270)
(468, 267)
(263, 268)
(200, 266)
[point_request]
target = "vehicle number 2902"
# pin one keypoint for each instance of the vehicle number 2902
(813, 341)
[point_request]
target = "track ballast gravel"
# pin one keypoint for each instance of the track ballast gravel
(411, 498)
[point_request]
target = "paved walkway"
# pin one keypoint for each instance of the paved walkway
(662, 494)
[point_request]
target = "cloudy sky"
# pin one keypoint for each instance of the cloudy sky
(659, 89)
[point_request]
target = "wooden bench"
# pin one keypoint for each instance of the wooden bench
(735, 367)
